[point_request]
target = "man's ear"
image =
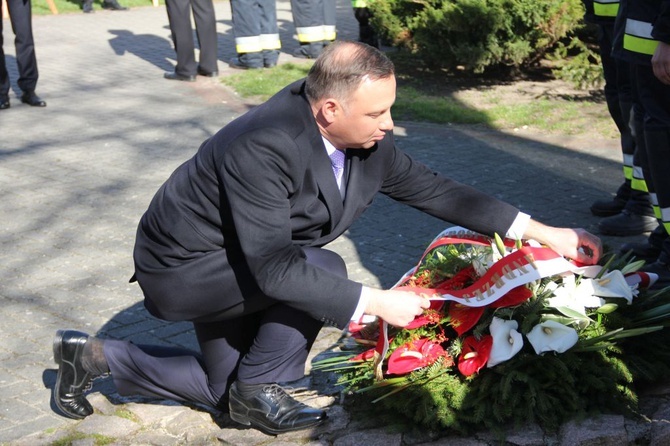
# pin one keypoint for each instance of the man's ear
(331, 109)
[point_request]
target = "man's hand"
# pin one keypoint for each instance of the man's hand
(576, 244)
(660, 62)
(398, 308)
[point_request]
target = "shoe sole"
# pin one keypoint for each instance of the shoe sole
(58, 359)
(247, 421)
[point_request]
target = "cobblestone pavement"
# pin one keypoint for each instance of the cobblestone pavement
(76, 176)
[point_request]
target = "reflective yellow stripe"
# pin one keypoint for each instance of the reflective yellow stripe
(250, 44)
(329, 32)
(638, 37)
(358, 4)
(605, 8)
(654, 205)
(270, 41)
(639, 45)
(310, 34)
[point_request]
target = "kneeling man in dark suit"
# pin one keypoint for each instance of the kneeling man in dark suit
(233, 242)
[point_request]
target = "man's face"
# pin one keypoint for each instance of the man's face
(365, 117)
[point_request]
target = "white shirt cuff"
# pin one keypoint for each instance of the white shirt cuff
(519, 226)
(360, 308)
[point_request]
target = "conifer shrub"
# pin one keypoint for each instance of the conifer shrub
(476, 35)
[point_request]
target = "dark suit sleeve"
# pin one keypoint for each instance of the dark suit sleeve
(260, 171)
(415, 184)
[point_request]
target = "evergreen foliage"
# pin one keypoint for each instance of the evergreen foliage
(475, 35)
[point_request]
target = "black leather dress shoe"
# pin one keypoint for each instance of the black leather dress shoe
(236, 63)
(4, 103)
(113, 5)
(626, 223)
(271, 410)
(30, 98)
(72, 380)
(173, 76)
(202, 72)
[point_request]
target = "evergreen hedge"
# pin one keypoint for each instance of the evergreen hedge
(476, 35)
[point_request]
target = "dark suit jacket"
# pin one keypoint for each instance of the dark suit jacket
(222, 236)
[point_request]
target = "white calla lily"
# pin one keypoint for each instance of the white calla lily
(613, 284)
(507, 341)
(575, 296)
(552, 336)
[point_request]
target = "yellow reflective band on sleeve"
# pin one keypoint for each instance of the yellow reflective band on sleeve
(270, 42)
(359, 3)
(639, 44)
(309, 34)
(605, 8)
(638, 37)
(250, 44)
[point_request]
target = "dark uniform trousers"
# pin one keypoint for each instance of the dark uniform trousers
(620, 104)
(256, 32)
(21, 20)
(655, 100)
(314, 22)
(265, 346)
(179, 16)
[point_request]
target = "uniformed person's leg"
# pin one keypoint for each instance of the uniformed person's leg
(656, 99)
(269, 32)
(637, 217)
(246, 15)
(308, 19)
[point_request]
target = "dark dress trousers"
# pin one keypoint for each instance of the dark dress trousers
(231, 242)
(21, 19)
(179, 16)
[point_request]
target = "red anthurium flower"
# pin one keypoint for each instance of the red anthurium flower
(365, 356)
(463, 317)
(428, 317)
(475, 354)
(514, 297)
(414, 355)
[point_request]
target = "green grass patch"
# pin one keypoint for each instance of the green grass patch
(432, 101)
(41, 7)
(261, 84)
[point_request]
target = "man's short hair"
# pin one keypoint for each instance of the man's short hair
(341, 68)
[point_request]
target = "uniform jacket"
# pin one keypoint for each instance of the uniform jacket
(227, 226)
(640, 25)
